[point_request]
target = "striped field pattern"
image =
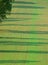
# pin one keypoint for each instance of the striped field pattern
(24, 35)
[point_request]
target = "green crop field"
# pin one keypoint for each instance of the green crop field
(24, 34)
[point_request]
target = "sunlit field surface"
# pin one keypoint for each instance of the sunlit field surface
(24, 35)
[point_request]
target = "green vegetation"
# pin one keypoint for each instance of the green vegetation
(5, 7)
